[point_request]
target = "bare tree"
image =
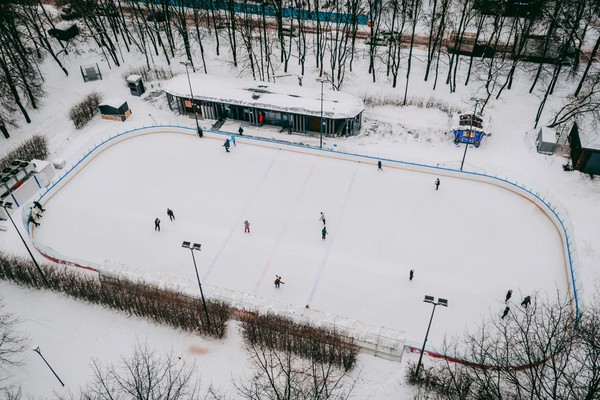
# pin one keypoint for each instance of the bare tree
(144, 376)
(12, 343)
(540, 351)
(586, 105)
(282, 375)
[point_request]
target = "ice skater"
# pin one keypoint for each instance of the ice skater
(241, 131)
(157, 224)
(322, 218)
(505, 313)
(323, 233)
(226, 145)
(379, 166)
(508, 295)
(246, 226)
(170, 214)
(437, 183)
(32, 220)
(200, 133)
(38, 206)
(526, 301)
(233, 139)
(35, 212)
(411, 274)
(278, 281)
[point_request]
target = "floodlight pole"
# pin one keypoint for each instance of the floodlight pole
(321, 122)
(187, 245)
(192, 95)
(470, 132)
(37, 350)
(429, 299)
(37, 266)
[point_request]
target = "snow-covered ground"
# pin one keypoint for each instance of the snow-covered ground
(469, 242)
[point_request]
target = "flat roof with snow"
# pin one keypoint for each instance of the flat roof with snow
(245, 92)
(588, 134)
(114, 103)
(548, 134)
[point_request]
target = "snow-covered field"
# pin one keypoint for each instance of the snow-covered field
(468, 242)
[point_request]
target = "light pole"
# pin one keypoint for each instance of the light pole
(198, 130)
(470, 131)
(37, 350)
(192, 247)
(440, 302)
(6, 206)
(321, 122)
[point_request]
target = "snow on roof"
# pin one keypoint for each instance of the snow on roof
(64, 25)
(114, 103)
(271, 96)
(133, 78)
(548, 134)
(588, 134)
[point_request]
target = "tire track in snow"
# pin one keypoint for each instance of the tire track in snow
(283, 231)
(330, 242)
(234, 227)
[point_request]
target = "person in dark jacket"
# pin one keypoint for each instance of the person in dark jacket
(38, 206)
(246, 226)
(241, 131)
(411, 274)
(379, 166)
(278, 281)
(170, 214)
(226, 145)
(157, 224)
(323, 233)
(437, 183)
(31, 220)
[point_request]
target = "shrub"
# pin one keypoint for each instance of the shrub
(34, 148)
(82, 112)
(317, 344)
(161, 306)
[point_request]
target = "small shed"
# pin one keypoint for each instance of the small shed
(546, 140)
(585, 148)
(136, 85)
(114, 109)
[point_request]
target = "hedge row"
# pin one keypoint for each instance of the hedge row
(82, 112)
(319, 344)
(184, 312)
(174, 309)
(34, 148)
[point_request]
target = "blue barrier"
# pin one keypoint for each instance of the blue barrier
(548, 205)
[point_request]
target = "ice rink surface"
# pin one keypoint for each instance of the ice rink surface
(468, 242)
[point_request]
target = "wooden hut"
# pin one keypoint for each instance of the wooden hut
(115, 109)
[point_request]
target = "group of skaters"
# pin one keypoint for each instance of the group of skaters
(525, 303)
(171, 216)
(230, 141)
(35, 213)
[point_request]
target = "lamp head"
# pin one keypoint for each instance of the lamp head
(428, 299)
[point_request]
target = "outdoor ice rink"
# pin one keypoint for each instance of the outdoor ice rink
(468, 242)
